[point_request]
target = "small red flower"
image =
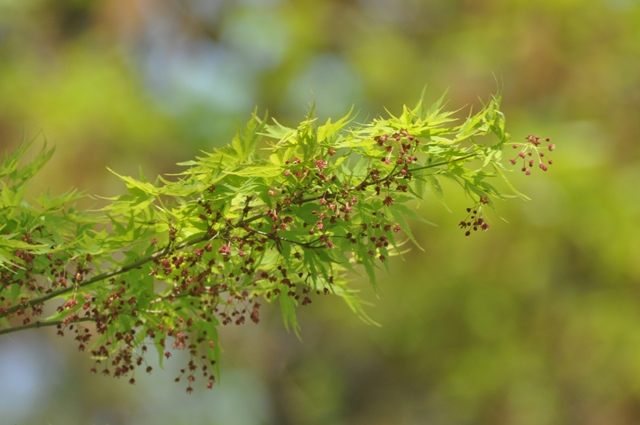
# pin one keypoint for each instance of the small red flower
(321, 164)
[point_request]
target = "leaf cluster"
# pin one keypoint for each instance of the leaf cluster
(281, 215)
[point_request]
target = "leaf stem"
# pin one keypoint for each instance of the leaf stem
(437, 164)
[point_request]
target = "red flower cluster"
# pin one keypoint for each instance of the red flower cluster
(474, 219)
(531, 150)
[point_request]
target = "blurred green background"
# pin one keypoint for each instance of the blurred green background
(535, 322)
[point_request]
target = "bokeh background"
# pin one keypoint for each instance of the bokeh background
(535, 322)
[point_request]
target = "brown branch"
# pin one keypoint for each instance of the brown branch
(121, 270)
(276, 238)
(43, 324)
(103, 276)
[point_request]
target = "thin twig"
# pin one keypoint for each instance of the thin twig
(121, 270)
(437, 164)
(43, 324)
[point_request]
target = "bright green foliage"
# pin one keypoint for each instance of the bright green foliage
(278, 216)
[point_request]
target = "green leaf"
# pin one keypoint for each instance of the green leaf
(287, 306)
(395, 212)
(244, 142)
(513, 189)
(136, 187)
(279, 132)
(10, 166)
(15, 293)
(368, 263)
(258, 171)
(434, 184)
(327, 131)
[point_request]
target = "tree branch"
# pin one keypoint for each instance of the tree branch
(437, 164)
(121, 270)
(164, 252)
(39, 324)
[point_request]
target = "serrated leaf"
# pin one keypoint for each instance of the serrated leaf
(287, 307)
(329, 129)
(136, 187)
(257, 171)
(368, 264)
(436, 189)
(189, 163)
(244, 142)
